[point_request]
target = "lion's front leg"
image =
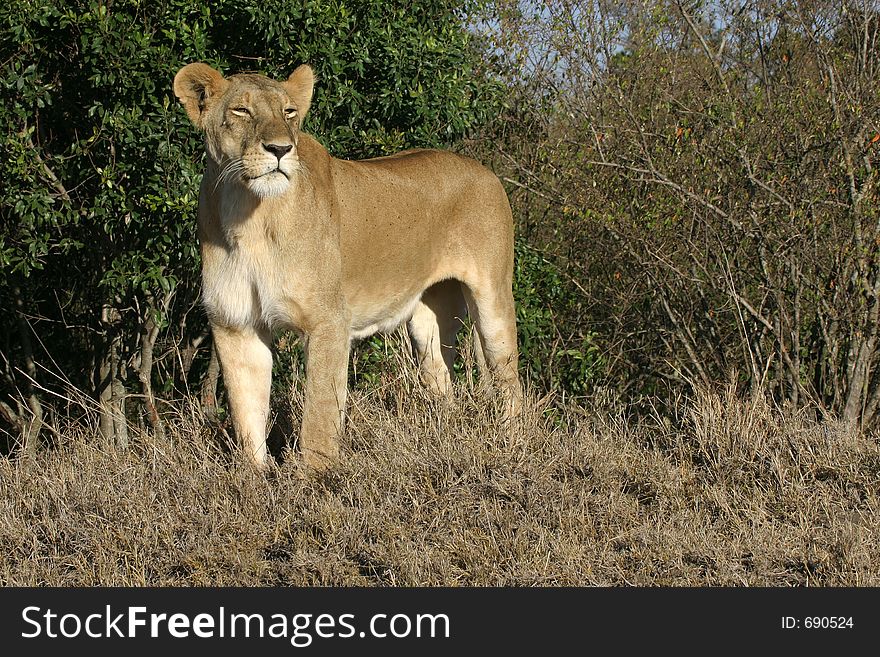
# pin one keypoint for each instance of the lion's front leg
(246, 361)
(326, 386)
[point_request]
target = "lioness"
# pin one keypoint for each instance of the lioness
(292, 238)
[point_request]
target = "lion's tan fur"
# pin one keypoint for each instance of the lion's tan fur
(292, 238)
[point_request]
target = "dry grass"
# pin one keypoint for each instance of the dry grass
(739, 495)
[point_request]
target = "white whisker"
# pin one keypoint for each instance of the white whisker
(228, 171)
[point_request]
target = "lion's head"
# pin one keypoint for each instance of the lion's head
(251, 123)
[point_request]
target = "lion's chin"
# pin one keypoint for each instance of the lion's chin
(269, 185)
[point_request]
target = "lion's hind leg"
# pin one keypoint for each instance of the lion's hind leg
(494, 316)
(433, 327)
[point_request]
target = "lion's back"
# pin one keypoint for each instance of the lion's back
(433, 185)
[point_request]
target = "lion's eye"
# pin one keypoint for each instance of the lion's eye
(240, 111)
(290, 112)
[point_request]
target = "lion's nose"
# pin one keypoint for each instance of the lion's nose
(278, 150)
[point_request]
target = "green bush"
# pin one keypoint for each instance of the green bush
(557, 351)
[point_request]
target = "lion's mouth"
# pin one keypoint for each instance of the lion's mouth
(268, 173)
(270, 183)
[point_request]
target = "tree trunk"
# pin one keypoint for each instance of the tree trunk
(149, 333)
(31, 433)
(120, 423)
(110, 388)
(104, 389)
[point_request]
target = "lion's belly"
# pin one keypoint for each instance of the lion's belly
(240, 290)
(367, 321)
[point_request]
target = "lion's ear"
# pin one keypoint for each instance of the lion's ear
(194, 84)
(299, 86)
